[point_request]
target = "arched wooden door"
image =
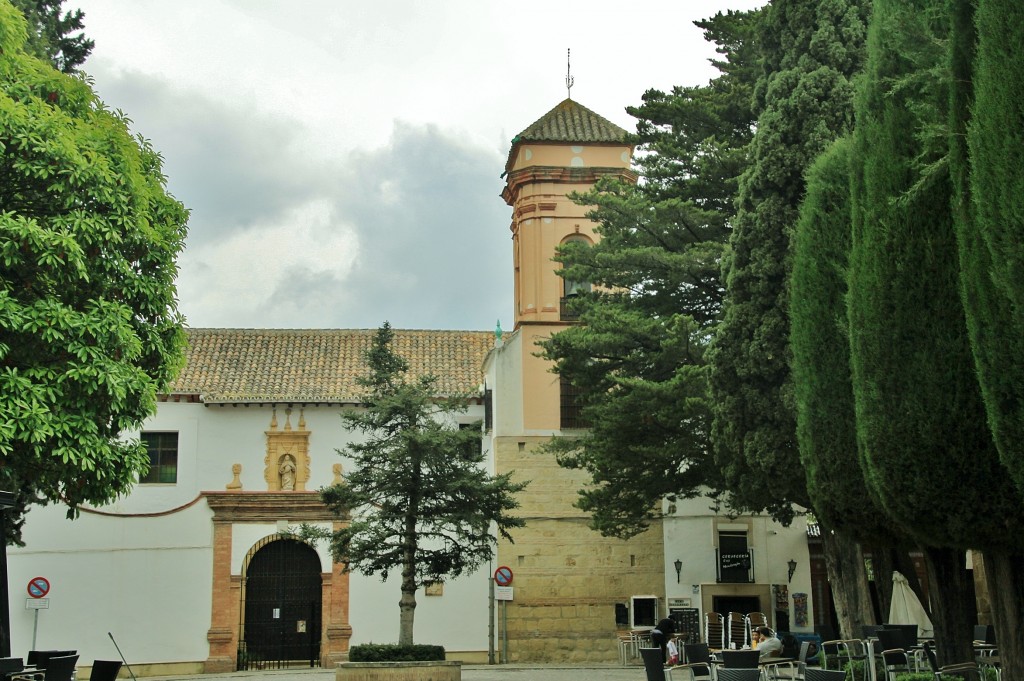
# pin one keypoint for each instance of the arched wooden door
(282, 606)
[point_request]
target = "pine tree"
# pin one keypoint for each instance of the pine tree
(54, 37)
(418, 498)
(639, 346)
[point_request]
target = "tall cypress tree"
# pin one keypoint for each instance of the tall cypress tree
(920, 419)
(811, 49)
(989, 211)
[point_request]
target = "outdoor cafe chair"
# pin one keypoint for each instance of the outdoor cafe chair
(739, 674)
(790, 671)
(957, 669)
(714, 630)
(698, 657)
(831, 654)
(740, 659)
(895, 661)
(816, 674)
(855, 650)
(736, 626)
(54, 668)
(654, 664)
(104, 670)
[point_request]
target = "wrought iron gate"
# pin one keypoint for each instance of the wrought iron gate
(281, 607)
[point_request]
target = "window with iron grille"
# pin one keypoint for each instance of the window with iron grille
(572, 410)
(162, 448)
(472, 446)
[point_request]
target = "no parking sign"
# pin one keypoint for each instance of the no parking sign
(503, 576)
(38, 587)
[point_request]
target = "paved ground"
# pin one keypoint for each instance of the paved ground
(470, 672)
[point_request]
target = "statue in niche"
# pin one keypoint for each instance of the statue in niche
(287, 472)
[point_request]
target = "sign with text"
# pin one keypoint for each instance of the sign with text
(735, 561)
(503, 593)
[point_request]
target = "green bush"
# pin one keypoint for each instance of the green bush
(989, 675)
(854, 670)
(391, 652)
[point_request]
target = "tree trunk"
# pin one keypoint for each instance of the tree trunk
(407, 603)
(848, 578)
(905, 564)
(1004, 576)
(406, 613)
(952, 610)
(882, 563)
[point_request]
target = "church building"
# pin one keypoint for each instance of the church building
(196, 571)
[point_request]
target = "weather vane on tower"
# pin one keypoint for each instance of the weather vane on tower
(568, 72)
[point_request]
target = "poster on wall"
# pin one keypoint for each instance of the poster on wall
(781, 597)
(800, 609)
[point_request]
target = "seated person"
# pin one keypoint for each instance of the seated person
(766, 642)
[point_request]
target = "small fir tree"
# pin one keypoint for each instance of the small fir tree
(419, 498)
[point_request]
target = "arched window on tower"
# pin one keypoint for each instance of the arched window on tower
(572, 288)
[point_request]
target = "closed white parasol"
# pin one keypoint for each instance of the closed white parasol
(906, 608)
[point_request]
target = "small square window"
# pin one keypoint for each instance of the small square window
(645, 611)
(163, 458)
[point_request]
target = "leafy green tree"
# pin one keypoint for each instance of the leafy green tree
(89, 327)
(418, 498)
(639, 346)
(921, 423)
(54, 37)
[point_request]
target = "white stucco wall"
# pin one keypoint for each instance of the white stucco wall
(504, 376)
(690, 536)
(145, 573)
(146, 581)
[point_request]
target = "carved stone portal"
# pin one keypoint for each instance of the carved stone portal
(286, 466)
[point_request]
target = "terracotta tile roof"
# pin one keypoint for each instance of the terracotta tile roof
(570, 121)
(319, 365)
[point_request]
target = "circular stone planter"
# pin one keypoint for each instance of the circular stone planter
(399, 671)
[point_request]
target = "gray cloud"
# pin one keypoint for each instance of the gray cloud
(433, 250)
(231, 166)
(413, 232)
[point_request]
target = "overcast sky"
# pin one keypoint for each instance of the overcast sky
(342, 159)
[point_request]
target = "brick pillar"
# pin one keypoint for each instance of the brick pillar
(337, 630)
(223, 633)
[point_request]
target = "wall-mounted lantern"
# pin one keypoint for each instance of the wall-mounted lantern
(792, 568)
(679, 568)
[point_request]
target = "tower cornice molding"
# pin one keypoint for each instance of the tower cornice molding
(515, 180)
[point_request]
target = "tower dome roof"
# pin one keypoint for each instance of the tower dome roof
(570, 121)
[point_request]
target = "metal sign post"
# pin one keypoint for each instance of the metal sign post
(36, 604)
